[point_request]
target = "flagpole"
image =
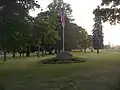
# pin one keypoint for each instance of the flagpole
(63, 39)
(63, 26)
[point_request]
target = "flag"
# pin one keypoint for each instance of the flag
(63, 19)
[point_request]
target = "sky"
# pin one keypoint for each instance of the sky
(82, 13)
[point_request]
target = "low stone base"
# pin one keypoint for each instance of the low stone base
(64, 56)
(58, 61)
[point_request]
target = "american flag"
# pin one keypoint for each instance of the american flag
(63, 19)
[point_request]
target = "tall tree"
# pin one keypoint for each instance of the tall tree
(45, 29)
(109, 11)
(97, 33)
(57, 6)
(90, 42)
(13, 15)
(84, 39)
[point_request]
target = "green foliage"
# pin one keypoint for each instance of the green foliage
(20, 31)
(107, 47)
(97, 33)
(58, 5)
(73, 36)
(114, 3)
(90, 41)
(111, 13)
(13, 24)
(45, 27)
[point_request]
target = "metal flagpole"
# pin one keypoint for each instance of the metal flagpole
(63, 26)
(63, 38)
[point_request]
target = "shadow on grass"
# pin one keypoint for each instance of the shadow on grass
(117, 87)
(54, 60)
(2, 87)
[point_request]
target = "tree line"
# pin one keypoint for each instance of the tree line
(22, 33)
(107, 11)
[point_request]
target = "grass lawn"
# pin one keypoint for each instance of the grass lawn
(100, 72)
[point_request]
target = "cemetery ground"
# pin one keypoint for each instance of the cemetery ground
(99, 72)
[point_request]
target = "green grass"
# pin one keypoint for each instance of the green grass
(100, 72)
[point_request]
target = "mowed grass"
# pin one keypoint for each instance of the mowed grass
(100, 72)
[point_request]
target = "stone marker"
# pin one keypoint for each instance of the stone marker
(64, 56)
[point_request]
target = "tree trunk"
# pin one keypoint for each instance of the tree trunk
(13, 53)
(45, 52)
(38, 54)
(42, 48)
(85, 50)
(50, 52)
(27, 54)
(42, 53)
(5, 59)
(91, 50)
(55, 51)
(28, 51)
(81, 50)
(20, 54)
(58, 50)
(97, 51)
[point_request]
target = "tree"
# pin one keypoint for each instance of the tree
(90, 42)
(58, 5)
(13, 15)
(45, 29)
(111, 13)
(107, 47)
(84, 40)
(74, 35)
(71, 35)
(97, 33)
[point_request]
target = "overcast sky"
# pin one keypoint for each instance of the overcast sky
(82, 13)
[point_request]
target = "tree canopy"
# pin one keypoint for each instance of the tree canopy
(109, 11)
(98, 34)
(23, 33)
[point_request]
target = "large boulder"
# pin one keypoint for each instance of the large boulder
(64, 56)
